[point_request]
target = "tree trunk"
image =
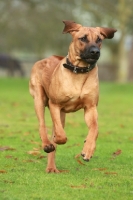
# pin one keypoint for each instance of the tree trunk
(122, 61)
(130, 74)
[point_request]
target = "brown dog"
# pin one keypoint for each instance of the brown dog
(67, 85)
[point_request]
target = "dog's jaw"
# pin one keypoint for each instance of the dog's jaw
(89, 60)
(89, 56)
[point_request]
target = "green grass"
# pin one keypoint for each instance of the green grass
(22, 175)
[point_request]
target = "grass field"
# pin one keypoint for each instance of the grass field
(109, 174)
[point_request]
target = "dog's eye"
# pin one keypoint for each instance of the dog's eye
(84, 39)
(98, 40)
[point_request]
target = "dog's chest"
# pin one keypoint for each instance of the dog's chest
(74, 97)
(72, 92)
(72, 103)
(78, 100)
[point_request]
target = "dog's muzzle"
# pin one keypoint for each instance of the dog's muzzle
(90, 55)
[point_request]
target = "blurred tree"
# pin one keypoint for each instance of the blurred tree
(130, 74)
(117, 14)
(34, 25)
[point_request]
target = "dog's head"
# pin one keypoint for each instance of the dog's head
(87, 41)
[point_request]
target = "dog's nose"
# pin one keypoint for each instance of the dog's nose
(94, 51)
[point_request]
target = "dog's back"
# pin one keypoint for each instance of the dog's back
(46, 67)
(47, 64)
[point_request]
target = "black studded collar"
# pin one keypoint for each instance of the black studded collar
(76, 69)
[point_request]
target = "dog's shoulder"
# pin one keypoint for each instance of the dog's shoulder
(51, 62)
(58, 57)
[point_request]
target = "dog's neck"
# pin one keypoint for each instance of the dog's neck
(77, 69)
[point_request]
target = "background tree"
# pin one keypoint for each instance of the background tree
(32, 26)
(118, 14)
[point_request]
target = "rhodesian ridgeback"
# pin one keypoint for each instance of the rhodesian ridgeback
(67, 84)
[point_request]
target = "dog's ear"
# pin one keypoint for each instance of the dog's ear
(107, 32)
(71, 26)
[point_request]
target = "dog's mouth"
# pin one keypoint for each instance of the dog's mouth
(90, 60)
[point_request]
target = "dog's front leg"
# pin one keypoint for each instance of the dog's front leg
(90, 142)
(51, 166)
(56, 114)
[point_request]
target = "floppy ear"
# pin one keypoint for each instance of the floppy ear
(71, 26)
(107, 32)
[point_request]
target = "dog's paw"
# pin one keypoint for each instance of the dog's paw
(60, 139)
(52, 170)
(49, 148)
(85, 158)
(88, 151)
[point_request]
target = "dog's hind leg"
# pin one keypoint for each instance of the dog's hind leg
(51, 166)
(40, 100)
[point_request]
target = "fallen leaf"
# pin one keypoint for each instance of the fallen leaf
(34, 153)
(100, 169)
(80, 162)
(63, 171)
(6, 148)
(3, 171)
(6, 181)
(9, 156)
(37, 149)
(34, 142)
(122, 126)
(26, 133)
(41, 157)
(78, 155)
(4, 125)
(111, 173)
(30, 160)
(118, 152)
(78, 186)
